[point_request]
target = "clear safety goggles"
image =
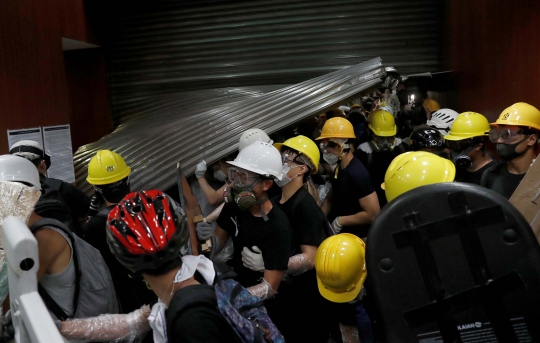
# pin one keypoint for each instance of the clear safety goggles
(242, 177)
(506, 135)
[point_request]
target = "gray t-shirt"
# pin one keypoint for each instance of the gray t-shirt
(61, 286)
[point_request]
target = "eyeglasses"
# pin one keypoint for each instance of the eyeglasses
(242, 177)
(505, 135)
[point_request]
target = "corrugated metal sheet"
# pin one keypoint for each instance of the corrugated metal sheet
(170, 46)
(159, 131)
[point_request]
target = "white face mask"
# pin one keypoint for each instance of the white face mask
(331, 159)
(220, 175)
(285, 179)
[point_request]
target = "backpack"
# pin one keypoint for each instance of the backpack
(94, 290)
(246, 313)
(491, 174)
(51, 203)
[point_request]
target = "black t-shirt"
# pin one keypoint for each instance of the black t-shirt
(308, 222)
(462, 175)
(310, 227)
(132, 292)
(193, 316)
(500, 180)
(273, 237)
(352, 184)
(377, 164)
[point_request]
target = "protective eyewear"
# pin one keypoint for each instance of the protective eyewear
(242, 177)
(459, 146)
(505, 135)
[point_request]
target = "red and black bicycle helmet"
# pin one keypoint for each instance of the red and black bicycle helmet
(146, 230)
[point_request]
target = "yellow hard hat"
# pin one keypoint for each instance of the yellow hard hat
(306, 147)
(468, 125)
(414, 169)
(431, 105)
(355, 106)
(107, 167)
(337, 128)
(520, 114)
(382, 123)
(341, 267)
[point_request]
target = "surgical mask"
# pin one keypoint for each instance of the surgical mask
(220, 175)
(285, 179)
(331, 159)
(508, 151)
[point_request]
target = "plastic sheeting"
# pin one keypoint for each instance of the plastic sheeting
(163, 130)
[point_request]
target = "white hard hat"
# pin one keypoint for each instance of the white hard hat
(442, 120)
(253, 135)
(18, 169)
(31, 150)
(261, 158)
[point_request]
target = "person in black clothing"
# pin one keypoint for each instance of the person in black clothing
(252, 220)
(352, 204)
(150, 244)
(77, 202)
(132, 292)
(467, 141)
(378, 153)
(516, 133)
(310, 228)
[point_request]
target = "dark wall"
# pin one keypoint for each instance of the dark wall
(33, 85)
(90, 116)
(495, 48)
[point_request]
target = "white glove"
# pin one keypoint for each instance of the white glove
(253, 260)
(204, 231)
(201, 169)
(337, 226)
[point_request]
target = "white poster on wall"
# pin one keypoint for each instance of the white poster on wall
(32, 134)
(57, 141)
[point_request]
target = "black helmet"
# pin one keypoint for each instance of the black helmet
(425, 137)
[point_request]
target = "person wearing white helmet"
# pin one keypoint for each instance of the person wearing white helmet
(77, 202)
(442, 120)
(250, 219)
(215, 196)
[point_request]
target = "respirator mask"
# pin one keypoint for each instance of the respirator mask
(241, 192)
(459, 153)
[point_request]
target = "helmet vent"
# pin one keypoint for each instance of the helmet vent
(137, 209)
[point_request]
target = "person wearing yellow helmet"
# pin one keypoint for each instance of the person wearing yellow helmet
(352, 204)
(467, 142)
(109, 174)
(378, 153)
(341, 272)
(414, 169)
(516, 134)
(300, 156)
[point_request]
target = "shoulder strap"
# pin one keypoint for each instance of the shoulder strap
(51, 304)
(492, 173)
(54, 184)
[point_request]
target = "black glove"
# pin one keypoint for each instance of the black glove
(8, 331)
(96, 203)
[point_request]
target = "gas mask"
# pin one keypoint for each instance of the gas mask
(384, 143)
(462, 159)
(114, 192)
(241, 192)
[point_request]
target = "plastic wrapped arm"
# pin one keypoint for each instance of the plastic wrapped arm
(108, 327)
(262, 291)
(299, 264)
